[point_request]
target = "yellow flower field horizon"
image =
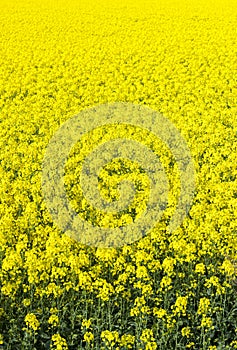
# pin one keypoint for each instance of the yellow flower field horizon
(166, 290)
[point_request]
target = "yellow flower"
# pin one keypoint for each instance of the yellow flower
(59, 343)
(180, 306)
(214, 281)
(141, 272)
(127, 340)
(206, 322)
(31, 321)
(53, 310)
(110, 337)
(228, 267)
(54, 320)
(166, 283)
(160, 313)
(168, 265)
(140, 307)
(105, 289)
(86, 323)
(26, 302)
(186, 332)
(234, 344)
(88, 337)
(203, 307)
(148, 339)
(200, 268)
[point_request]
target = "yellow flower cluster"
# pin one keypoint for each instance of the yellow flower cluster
(203, 307)
(180, 306)
(31, 321)
(59, 343)
(110, 338)
(148, 339)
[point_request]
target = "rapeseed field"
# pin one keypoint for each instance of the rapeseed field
(166, 290)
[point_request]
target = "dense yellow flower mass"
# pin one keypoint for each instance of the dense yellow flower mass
(164, 291)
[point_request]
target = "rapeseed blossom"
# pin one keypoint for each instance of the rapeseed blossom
(31, 321)
(59, 343)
